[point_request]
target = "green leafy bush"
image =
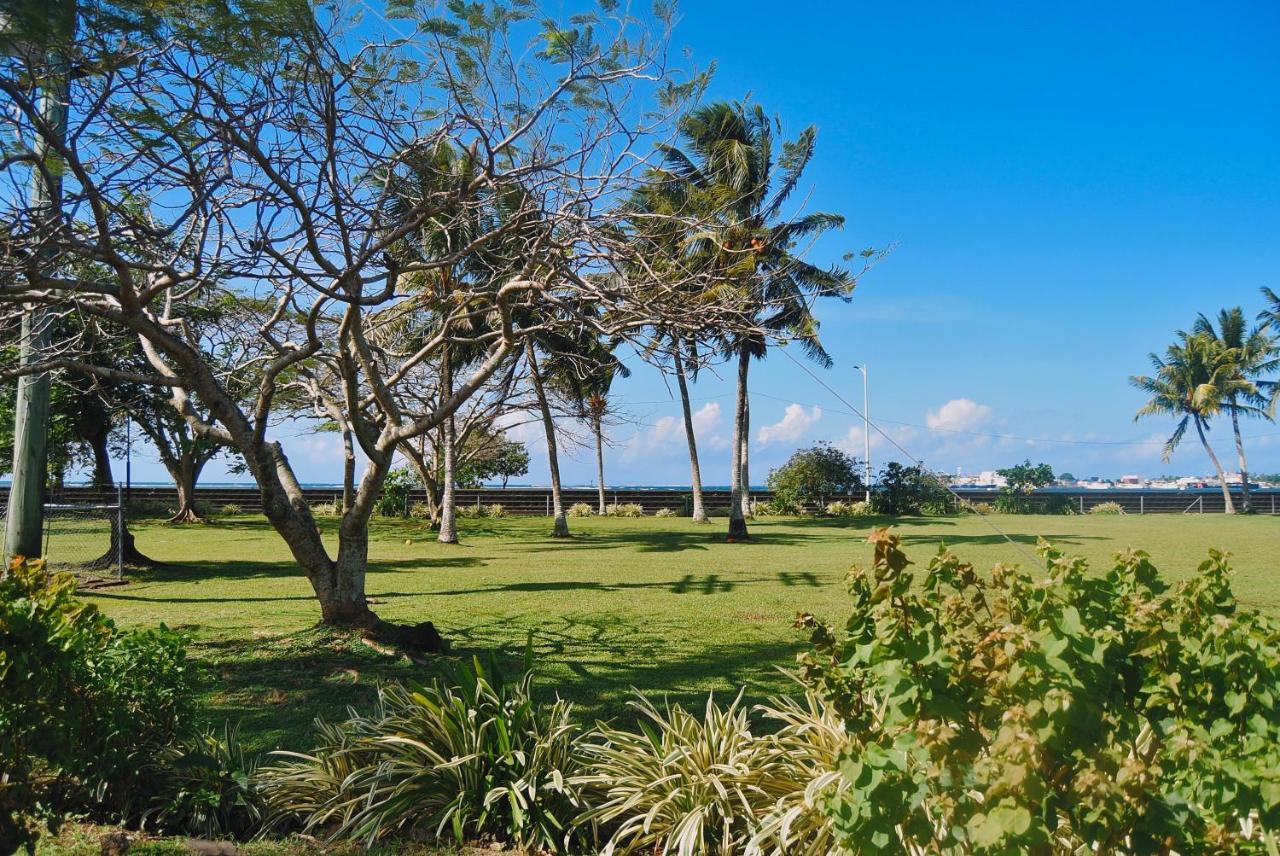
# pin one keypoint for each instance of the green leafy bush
(1107, 508)
(467, 757)
(580, 509)
(1061, 712)
(902, 490)
(811, 475)
(783, 504)
(206, 787)
(394, 499)
(84, 707)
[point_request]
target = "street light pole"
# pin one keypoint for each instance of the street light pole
(866, 428)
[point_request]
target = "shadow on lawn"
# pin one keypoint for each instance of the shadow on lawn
(240, 569)
(277, 686)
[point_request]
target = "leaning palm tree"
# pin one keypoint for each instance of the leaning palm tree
(1193, 383)
(739, 179)
(1255, 354)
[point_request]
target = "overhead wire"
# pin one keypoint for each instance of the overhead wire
(918, 461)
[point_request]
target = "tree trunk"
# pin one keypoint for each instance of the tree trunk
(185, 474)
(103, 478)
(1222, 476)
(348, 469)
(695, 474)
(737, 520)
(598, 426)
(561, 522)
(1245, 500)
(448, 510)
(747, 511)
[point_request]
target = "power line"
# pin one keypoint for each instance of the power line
(919, 461)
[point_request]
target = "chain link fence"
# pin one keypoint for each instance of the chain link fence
(84, 538)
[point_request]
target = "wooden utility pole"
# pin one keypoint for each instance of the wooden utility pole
(25, 519)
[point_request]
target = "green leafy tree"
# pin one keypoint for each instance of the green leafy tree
(902, 489)
(1022, 480)
(1194, 382)
(1253, 354)
(814, 475)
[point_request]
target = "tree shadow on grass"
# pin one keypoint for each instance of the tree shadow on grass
(240, 569)
(276, 686)
(642, 541)
(994, 538)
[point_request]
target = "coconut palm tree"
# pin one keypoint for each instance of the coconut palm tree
(1193, 383)
(1254, 354)
(740, 179)
(586, 379)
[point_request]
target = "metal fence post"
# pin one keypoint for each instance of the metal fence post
(1081, 498)
(120, 532)
(548, 505)
(1142, 504)
(1202, 505)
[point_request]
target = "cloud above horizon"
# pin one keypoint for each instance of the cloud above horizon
(959, 414)
(794, 424)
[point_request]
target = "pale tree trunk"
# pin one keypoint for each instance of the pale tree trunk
(348, 470)
(737, 520)
(561, 524)
(598, 427)
(1245, 499)
(695, 474)
(448, 511)
(1222, 476)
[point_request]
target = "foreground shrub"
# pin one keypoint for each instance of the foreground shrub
(580, 509)
(1107, 508)
(468, 757)
(683, 785)
(1052, 713)
(206, 787)
(84, 707)
(686, 785)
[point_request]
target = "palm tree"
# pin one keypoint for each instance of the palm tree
(586, 377)
(739, 180)
(1254, 354)
(1193, 383)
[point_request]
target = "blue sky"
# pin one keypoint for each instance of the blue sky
(1065, 184)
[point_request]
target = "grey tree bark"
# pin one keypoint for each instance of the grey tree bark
(695, 473)
(561, 522)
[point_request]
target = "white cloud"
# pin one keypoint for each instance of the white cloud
(959, 414)
(666, 435)
(792, 426)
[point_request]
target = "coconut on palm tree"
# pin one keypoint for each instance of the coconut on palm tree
(1193, 382)
(739, 179)
(1253, 354)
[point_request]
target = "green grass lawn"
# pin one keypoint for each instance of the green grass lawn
(662, 605)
